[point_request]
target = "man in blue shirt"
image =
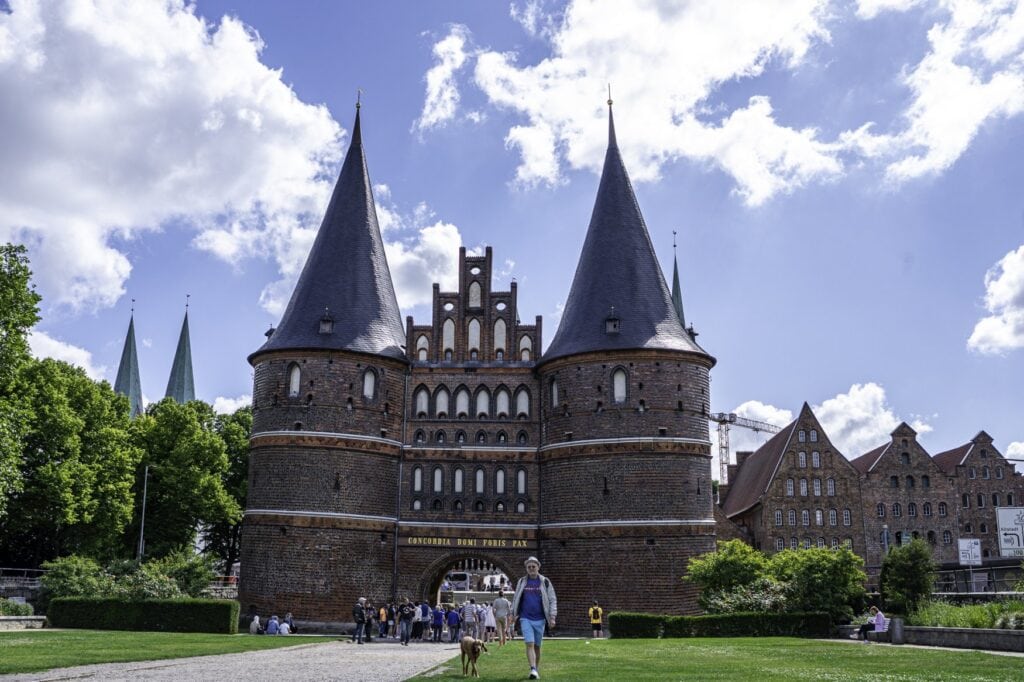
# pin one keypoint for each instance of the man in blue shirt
(534, 604)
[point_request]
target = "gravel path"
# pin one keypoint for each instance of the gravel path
(340, 660)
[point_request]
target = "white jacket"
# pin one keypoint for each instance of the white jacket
(547, 597)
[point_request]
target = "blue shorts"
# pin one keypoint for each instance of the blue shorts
(533, 630)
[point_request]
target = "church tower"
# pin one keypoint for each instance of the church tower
(128, 382)
(327, 413)
(181, 384)
(625, 461)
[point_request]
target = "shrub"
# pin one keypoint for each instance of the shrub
(908, 576)
(735, 564)
(145, 583)
(943, 614)
(762, 595)
(1010, 621)
(13, 608)
(828, 580)
(750, 625)
(162, 615)
(192, 572)
(73, 576)
(635, 625)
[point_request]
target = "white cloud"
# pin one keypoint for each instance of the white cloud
(1003, 328)
(861, 419)
(742, 439)
(533, 18)
(1015, 452)
(224, 405)
(869, 9)
(45, 346)
(442, 99)
(126, 107)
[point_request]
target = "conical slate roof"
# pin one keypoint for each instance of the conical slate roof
(677, 292)
(181, 385)
(618, 277)
(128, 382)
(346, 279)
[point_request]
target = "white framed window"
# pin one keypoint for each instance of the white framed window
(457, 480)
(619, 386)
(789, 487)
(792, 517)
(805, 518)
(821, 543)
(778, 517)
(897, 510)
(294, 381)
(847, 517)
(912, 509)
(816, 485)
(927, 509)
(521, 482)
(499, 481)
(801, 459)
(422, 347)
(947, 537)
(479, 482)
(417, 505)
(815, 459)
(833, 517)
(835, 543)
(802, 436)
(780, 544)
(819, 518)
(474, 294)
(499, 335)
(525, 348)
(369, 384)
(880, 508)
(803, 487)
(942, 509)
(794, 543)
(438, 480)
(520, 507)
(417, 479)
(999, 472)
(441, 406)
(814, 436)
(807, 543)
(830, 487)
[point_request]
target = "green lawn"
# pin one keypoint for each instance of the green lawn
(26, 651)
(760, 659)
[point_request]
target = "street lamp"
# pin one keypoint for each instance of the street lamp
(142, 520)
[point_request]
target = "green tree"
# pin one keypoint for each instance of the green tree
(19, 312)
(187, 459)
(735, 564)
(820, 580)
(223, 539)
(908, 576)
(77, 467)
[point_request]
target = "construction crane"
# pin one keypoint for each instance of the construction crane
(724, 421)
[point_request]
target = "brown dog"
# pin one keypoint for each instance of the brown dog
(471, 649)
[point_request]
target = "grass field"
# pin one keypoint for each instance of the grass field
(26, 651)
(760, 659)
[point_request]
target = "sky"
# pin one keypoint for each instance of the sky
(843, 180)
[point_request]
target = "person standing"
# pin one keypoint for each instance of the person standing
(405, 614)
(359, 616)
(534, 604)
(437, 622)
(501, 608)
(595, 612)
(468, 614)
(383, 619)
(453, 624)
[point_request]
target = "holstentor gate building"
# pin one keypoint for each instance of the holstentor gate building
(383, 453)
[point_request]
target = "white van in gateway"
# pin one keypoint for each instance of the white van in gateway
(459, 580)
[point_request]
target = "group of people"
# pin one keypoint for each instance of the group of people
(274, 626)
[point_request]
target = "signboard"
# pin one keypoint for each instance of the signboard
(970, 552)
(1010, 521)
(466, 542)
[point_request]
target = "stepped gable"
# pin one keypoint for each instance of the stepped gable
(754, 477)
(346, 281)
(618, 277)
(181, 384)
(128, 382)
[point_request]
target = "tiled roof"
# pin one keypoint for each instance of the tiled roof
(949, 459)
(128, 381)
(181, 385)
(753, 477)
(346, 276)
(864, 463)
(618, 276)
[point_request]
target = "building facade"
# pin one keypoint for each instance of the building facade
(384, 455)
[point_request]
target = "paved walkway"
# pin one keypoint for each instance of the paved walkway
(339, 660)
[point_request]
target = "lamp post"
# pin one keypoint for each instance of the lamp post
(142, 519)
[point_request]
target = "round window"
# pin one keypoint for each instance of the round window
(474, 270)
(449, 306)
(500, 306)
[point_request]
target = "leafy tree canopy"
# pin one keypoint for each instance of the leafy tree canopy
(908, 576)
(223, 538)
(734, 564)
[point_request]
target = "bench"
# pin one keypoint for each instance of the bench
(880, 635)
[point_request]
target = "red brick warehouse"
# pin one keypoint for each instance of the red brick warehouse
(382, 455)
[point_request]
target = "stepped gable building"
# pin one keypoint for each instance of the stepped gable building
(906, 496)
(796, 491)
(381, 457)
(983, 480)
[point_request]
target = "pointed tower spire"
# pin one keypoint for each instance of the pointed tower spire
(345, 299)
(677, 293)
(181, 385)
(619, 298)
(128, 382)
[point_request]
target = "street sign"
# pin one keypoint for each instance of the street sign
(970, 552)
(1010, 521)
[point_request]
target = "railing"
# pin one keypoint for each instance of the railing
(19, 581)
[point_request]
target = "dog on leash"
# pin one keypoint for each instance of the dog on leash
(471, 648)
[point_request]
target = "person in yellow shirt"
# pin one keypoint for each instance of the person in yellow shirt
(595, 612)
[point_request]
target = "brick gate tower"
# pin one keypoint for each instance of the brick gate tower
(625, 462)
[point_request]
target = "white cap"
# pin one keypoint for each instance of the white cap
(533, 559)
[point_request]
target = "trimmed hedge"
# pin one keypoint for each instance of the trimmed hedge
(653, 626)
(160, 615)
(750, 625)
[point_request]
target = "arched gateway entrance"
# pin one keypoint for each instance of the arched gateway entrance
(477, 567)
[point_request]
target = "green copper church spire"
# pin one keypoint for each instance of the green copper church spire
(677, 294)
(128, 382)
(181, 385)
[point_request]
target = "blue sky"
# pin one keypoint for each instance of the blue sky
(844, 177)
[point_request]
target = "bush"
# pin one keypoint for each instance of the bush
(635, 625)
(13, 608)
(1010, 621)
(829, 580)
(160, 615)
(145, 583)
(750, 625)
(763, 595)
(908, 576)
(73, 576)
(192, 572)
(735, 564)
(945, 615)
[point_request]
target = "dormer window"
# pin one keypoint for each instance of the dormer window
(326, 323)
(611, 323)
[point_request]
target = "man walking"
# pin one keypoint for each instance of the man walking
(501, 608)
(534, 604)
(359, 616)
(469, 614)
